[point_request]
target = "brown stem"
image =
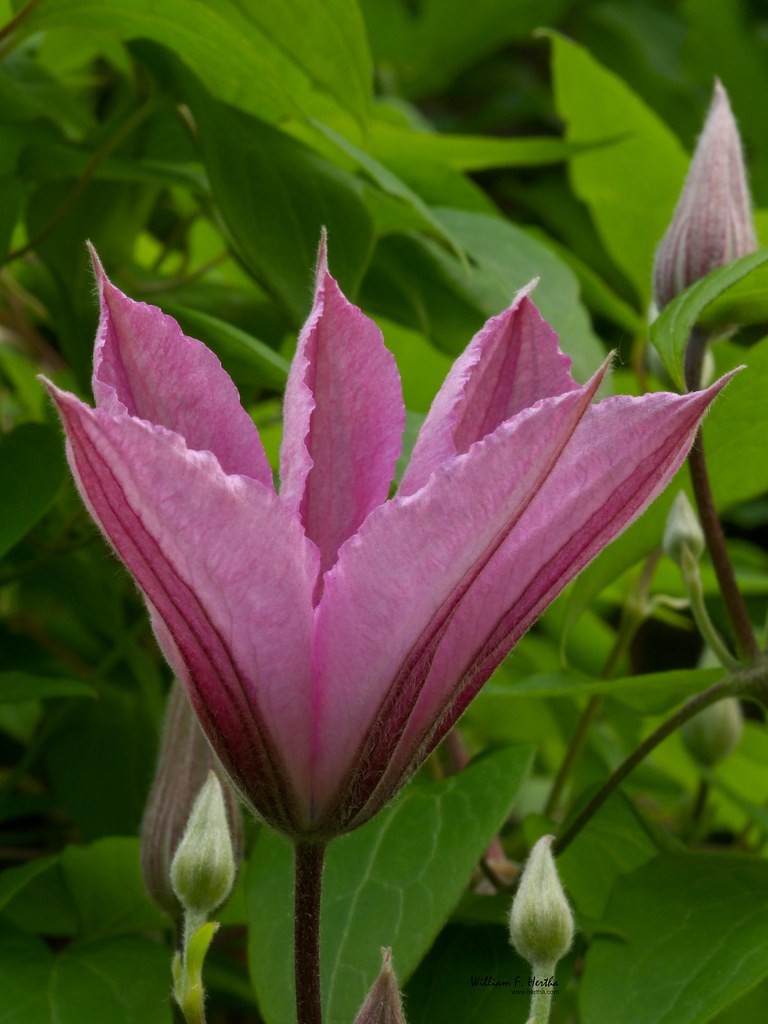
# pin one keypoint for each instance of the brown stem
(747, 683)
(309, 879)
(746, 644)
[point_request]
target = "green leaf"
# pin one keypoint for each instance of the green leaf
(612, 844)
(32, 470)
(393, 882)
(21, 686)
(275, 194)
(632, 185)
(243, 356)
(649, 694)
(506, 258)
(464, 152)
(123, 981)
(13, 880)
(101, 758)
(261, 55)
(672, 328)
(443, 989)
(107, 889)
(695, 941)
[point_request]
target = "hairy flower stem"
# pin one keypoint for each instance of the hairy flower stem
(310, 858)
(541, 1000)
(746, 644)
(748, 683)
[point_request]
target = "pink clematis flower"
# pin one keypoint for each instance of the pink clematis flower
(329, 636)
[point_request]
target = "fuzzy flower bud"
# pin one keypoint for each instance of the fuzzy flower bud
(183, 764)
(682, 529)
(541, 920)
(711, 735)
(712, 224)
(383, 1004)
(203, 867)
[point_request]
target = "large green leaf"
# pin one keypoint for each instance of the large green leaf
(672, 328)
(393, 882)
(694, 927)
(275, 194)
(630, 186)
(107, 890)
(22, 686)
(649, 694)
(506, 258)
(612, 844)
(123, 981)
(32, 470)
(261, 55)
(428, 43)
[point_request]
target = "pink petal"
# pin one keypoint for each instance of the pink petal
(459, 571)
(621, 456)
(229, 576)
(144, 365)
(344, 419)
(399, 578)
(508, 366)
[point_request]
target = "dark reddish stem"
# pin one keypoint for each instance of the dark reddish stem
(310, 858)
(744, 636)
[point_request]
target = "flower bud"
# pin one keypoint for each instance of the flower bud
(203, 867)
(713, 733)
(183, 765)
(541, 920)
(383, 1004)
(712, 224)
(682, 529)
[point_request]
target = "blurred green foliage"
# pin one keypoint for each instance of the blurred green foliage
(453, 155)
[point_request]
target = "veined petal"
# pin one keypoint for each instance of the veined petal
(229, 574)
(396, 584)
(344, 419)
(508, 366)
(460, 570)
(621, 456)
(144, 365)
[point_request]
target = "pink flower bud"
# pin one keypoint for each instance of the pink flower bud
(712, 224)
(383, 1004)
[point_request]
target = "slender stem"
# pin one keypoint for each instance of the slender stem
(541, 999)
(573, 753)
(309, 879)
(744, 683)
(692, 579)
(746, 644)
(10, 27)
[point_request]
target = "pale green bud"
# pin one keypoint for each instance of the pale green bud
(713, 733)
(183, 764)
(203, 867)
(712, 224)
(383, 1004)
(541, 920)
(682, 529)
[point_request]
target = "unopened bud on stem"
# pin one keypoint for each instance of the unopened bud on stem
(682, 528)
(203, 868)
(712, 224)
(711, 735)
(541, 920)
